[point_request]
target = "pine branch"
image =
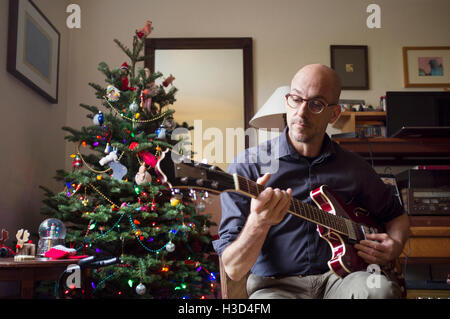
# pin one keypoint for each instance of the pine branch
(124, 48)
(91, 108)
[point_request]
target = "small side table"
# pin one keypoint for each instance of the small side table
(27, 272)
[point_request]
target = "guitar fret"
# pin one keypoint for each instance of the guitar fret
(307, 211)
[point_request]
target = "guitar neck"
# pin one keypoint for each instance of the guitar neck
(297, 207)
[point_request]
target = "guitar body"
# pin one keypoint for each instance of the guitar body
(344, 259)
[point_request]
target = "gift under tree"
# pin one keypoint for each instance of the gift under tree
(113, 203)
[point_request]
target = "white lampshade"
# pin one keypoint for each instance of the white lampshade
(271, 114)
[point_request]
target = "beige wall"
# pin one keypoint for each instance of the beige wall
(287, 35)
(32, 143)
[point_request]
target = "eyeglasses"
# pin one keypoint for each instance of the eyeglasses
(315, 105)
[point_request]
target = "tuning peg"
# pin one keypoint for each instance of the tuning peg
(184, 180)
(215, 185)
(200, 181)
(212, 168)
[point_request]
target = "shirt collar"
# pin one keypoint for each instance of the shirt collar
(286, 149)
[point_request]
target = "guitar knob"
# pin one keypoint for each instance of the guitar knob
(184, 180)
(212, 168)
(215, 185)
(199, 182)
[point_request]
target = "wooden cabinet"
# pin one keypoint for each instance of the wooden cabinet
(352, 121)
(400, 151)
(429, 243)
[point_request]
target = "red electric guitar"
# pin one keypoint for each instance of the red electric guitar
(341, 225)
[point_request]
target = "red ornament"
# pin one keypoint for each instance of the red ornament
(148, 158)
(133, 146)
(145, 31)
(125, 67)
(168, 81)
(77, 163)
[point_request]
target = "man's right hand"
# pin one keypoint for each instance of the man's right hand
(270, 207)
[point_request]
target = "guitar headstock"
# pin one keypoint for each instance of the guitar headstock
(177, 171)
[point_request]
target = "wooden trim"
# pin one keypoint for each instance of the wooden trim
(232, 289)
(406, 70)
(429, 221)
(12, 50)
(365, 86)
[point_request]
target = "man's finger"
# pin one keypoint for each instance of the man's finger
(378, 236)
(263, 179)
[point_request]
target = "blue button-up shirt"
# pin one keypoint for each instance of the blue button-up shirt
(293, 247)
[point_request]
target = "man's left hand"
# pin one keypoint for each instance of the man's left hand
(378, 249)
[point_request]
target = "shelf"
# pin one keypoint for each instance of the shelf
(429, 240)
(348, 121)
(398, 151)
(366, 115)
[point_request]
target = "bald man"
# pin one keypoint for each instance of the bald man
(284, 253)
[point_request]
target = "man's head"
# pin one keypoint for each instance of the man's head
(314, 81)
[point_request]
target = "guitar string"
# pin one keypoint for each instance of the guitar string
(327, 217)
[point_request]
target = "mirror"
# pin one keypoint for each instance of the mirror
(214, 77)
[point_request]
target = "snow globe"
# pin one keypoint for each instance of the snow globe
(52, 232)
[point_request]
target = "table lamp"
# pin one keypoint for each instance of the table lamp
(272, 113)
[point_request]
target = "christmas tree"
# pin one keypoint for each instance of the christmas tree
(113, 202)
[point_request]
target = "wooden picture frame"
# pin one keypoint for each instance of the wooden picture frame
(351, 64)
(33, 49)
(427, 67)
(244, 43)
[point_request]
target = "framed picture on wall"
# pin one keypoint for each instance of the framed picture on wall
(350, 63)
(426, 66)
(33, 49)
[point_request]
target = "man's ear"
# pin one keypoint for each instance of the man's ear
(335, 113)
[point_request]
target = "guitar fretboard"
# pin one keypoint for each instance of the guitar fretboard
(298, 208)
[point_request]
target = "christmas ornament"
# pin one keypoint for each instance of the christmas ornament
(112, 93)
(133, 145)
(141, 289)
(143, 177)
(125, 67)
(111, 157)
(124, 77)
(77, 162)
(148, 104)
(145, 31)
(148, 158)
(134, 107)
(5, 251)
(174, 201)
(119, 170)
(168, 81)
(99, 119)
(170, 247)
(147, 73)
(107, 149)
(161, 132)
